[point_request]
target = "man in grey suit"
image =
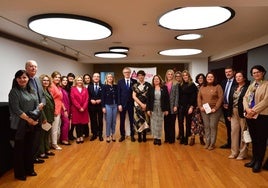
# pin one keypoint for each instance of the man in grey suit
(31, 69)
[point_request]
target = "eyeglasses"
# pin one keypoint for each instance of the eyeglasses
(257, 72)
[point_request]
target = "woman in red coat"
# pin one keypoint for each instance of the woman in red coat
(79, 101)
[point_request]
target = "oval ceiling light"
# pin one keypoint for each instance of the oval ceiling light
(191, 18)
(111, 55)
(119, 49)
(180, 52)
(69, 26)
(188, 37)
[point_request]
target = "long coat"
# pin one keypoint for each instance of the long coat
(79, 100)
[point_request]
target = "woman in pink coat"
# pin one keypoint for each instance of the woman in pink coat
(79, 107)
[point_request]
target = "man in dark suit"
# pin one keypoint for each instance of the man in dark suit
(31, 69)
(126, 103)
(227, 84)
(95, 108)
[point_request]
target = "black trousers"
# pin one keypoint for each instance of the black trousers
(228, 125)
(36, 140)
(183, 113)
(169, 127)
(130, 110)
(96, 118)
(79, 128)
(258, 130)
(23, 155)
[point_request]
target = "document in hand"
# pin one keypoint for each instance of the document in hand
(207, 108)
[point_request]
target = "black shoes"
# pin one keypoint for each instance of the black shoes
(50, 153)
(38, 161)
(226, 146)
(94, 137)
(22, 178)
(101, 138)
(122, 138)
(265, 166)
(33, 173)
(157, 141)
(43, 156)
(250, 164)
(133, 139)
(257, 167)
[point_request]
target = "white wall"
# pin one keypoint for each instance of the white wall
(14, 55)
(198, 66)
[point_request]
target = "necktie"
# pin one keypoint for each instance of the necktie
(33, 84)
(127, 83)
(96, 89)
(227, 91)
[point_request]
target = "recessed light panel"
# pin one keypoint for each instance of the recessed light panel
(191, 18)
(119, 49)
(112, 55)
(68, 26)
(189, 37)
(180, 52)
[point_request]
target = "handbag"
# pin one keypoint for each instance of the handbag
(34, 114)
(246, 136)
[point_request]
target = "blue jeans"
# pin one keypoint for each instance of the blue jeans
(111, 112)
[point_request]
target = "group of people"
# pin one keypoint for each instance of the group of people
(64, 103)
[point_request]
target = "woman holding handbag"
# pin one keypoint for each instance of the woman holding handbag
(236, 116)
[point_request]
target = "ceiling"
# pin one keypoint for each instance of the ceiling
(135, 25)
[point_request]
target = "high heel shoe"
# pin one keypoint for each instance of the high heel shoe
(108, 139)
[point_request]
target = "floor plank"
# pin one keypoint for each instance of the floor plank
(127, 164)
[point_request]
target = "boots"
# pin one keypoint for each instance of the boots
(202, 140)
(265, 166)
(192, 141)
(186, 141)
(139, 137)
(144, 136)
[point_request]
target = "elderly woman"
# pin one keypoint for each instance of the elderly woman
(22, 99)
(256, 111)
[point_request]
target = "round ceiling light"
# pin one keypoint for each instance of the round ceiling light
(189, 37)
(191, 18)
(180, 52)
(112, 55)
(119, 49)
(69, 26)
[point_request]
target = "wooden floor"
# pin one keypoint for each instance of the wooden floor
(127, 164)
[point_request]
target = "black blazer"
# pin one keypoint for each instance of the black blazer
(164, 99)
(240, 100)
(92, 94)
(109, 95)
(125, 94)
